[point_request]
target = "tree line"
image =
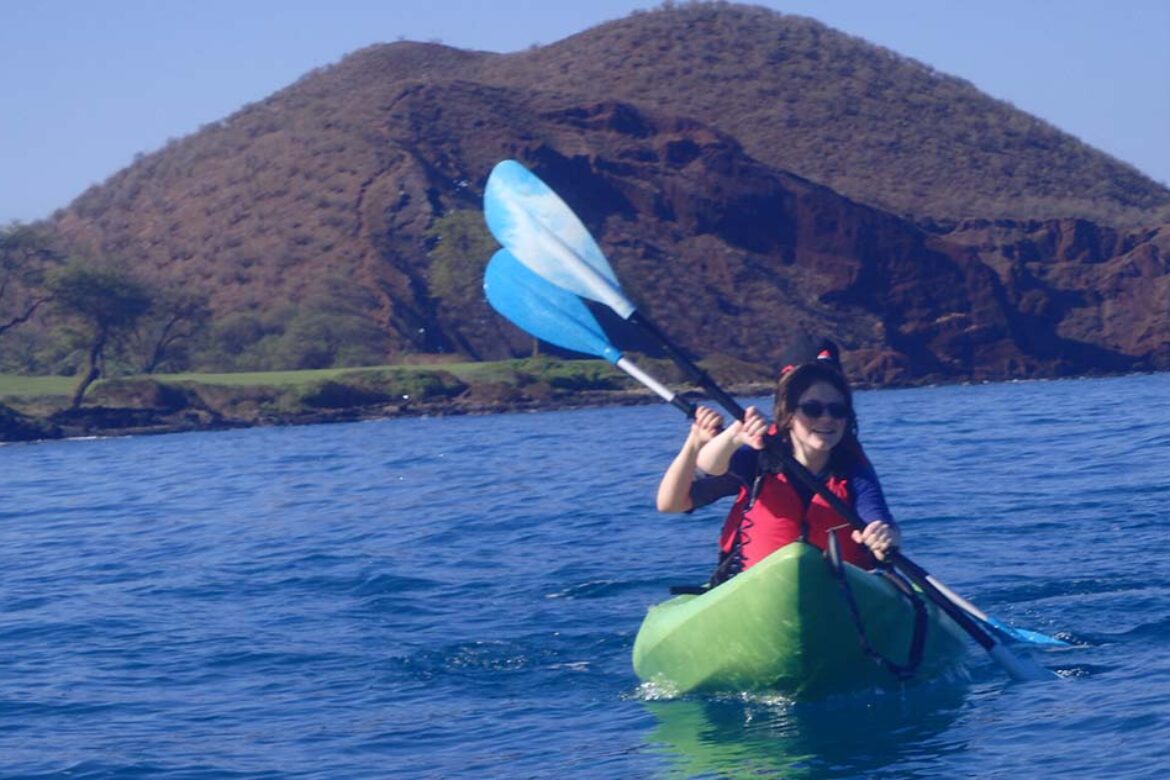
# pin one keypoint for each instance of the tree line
(78, 314)
(65, 312)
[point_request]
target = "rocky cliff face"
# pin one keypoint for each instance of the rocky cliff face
(339, 187)
(1097, 291)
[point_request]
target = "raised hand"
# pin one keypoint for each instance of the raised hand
(707, 424)
(751, 431)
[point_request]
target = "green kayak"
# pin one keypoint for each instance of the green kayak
(786, 625)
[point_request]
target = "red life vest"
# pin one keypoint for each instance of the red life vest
(777, 517)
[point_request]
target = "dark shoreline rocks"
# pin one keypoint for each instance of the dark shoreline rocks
(93, 420)
(15, 426)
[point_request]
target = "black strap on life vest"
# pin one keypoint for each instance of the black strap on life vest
(918, 637)
(731, 563)
(769, 461)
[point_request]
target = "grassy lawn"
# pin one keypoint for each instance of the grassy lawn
(500, 371)
(16, 386)
(254, 378)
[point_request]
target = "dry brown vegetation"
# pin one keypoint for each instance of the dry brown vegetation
(748, 172)
(871, 124)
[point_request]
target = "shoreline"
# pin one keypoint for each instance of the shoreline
(98, 421)
(155, 408)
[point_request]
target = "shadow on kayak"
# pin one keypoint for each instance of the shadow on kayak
(848, 736)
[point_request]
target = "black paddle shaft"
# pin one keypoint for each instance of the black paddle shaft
(696, 374)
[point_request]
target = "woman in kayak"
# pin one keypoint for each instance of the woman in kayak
(815, 425)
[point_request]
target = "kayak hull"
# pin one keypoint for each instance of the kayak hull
(785, 625)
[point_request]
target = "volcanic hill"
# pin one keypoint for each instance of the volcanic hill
(748, 174)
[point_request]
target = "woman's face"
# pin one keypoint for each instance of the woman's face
(819, 421)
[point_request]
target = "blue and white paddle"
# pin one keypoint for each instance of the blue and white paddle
(535, 225)
(532, 221)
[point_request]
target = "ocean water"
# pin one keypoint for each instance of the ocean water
(458, 598)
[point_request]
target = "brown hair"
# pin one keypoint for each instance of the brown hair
(793, 384)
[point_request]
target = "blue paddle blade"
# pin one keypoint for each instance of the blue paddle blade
(541, 231)
(1023, 635)
(542, 309)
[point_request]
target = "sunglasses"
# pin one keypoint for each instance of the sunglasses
(814, 409)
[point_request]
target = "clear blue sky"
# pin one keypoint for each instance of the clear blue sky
(87, 84)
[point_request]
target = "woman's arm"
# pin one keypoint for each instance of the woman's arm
(674, 491)
(881, 533)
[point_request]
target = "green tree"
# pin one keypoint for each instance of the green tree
(460, 247)
(108, 304)
(175, 319)
(26, 254)
(322, 339)
(334, 324)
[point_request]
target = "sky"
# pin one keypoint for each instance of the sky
(87, 85)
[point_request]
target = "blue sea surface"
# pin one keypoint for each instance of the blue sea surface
(458, 598)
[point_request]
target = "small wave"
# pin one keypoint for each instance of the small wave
(1155, 629)
(385, 584)
(470, 659)
(593, 590)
